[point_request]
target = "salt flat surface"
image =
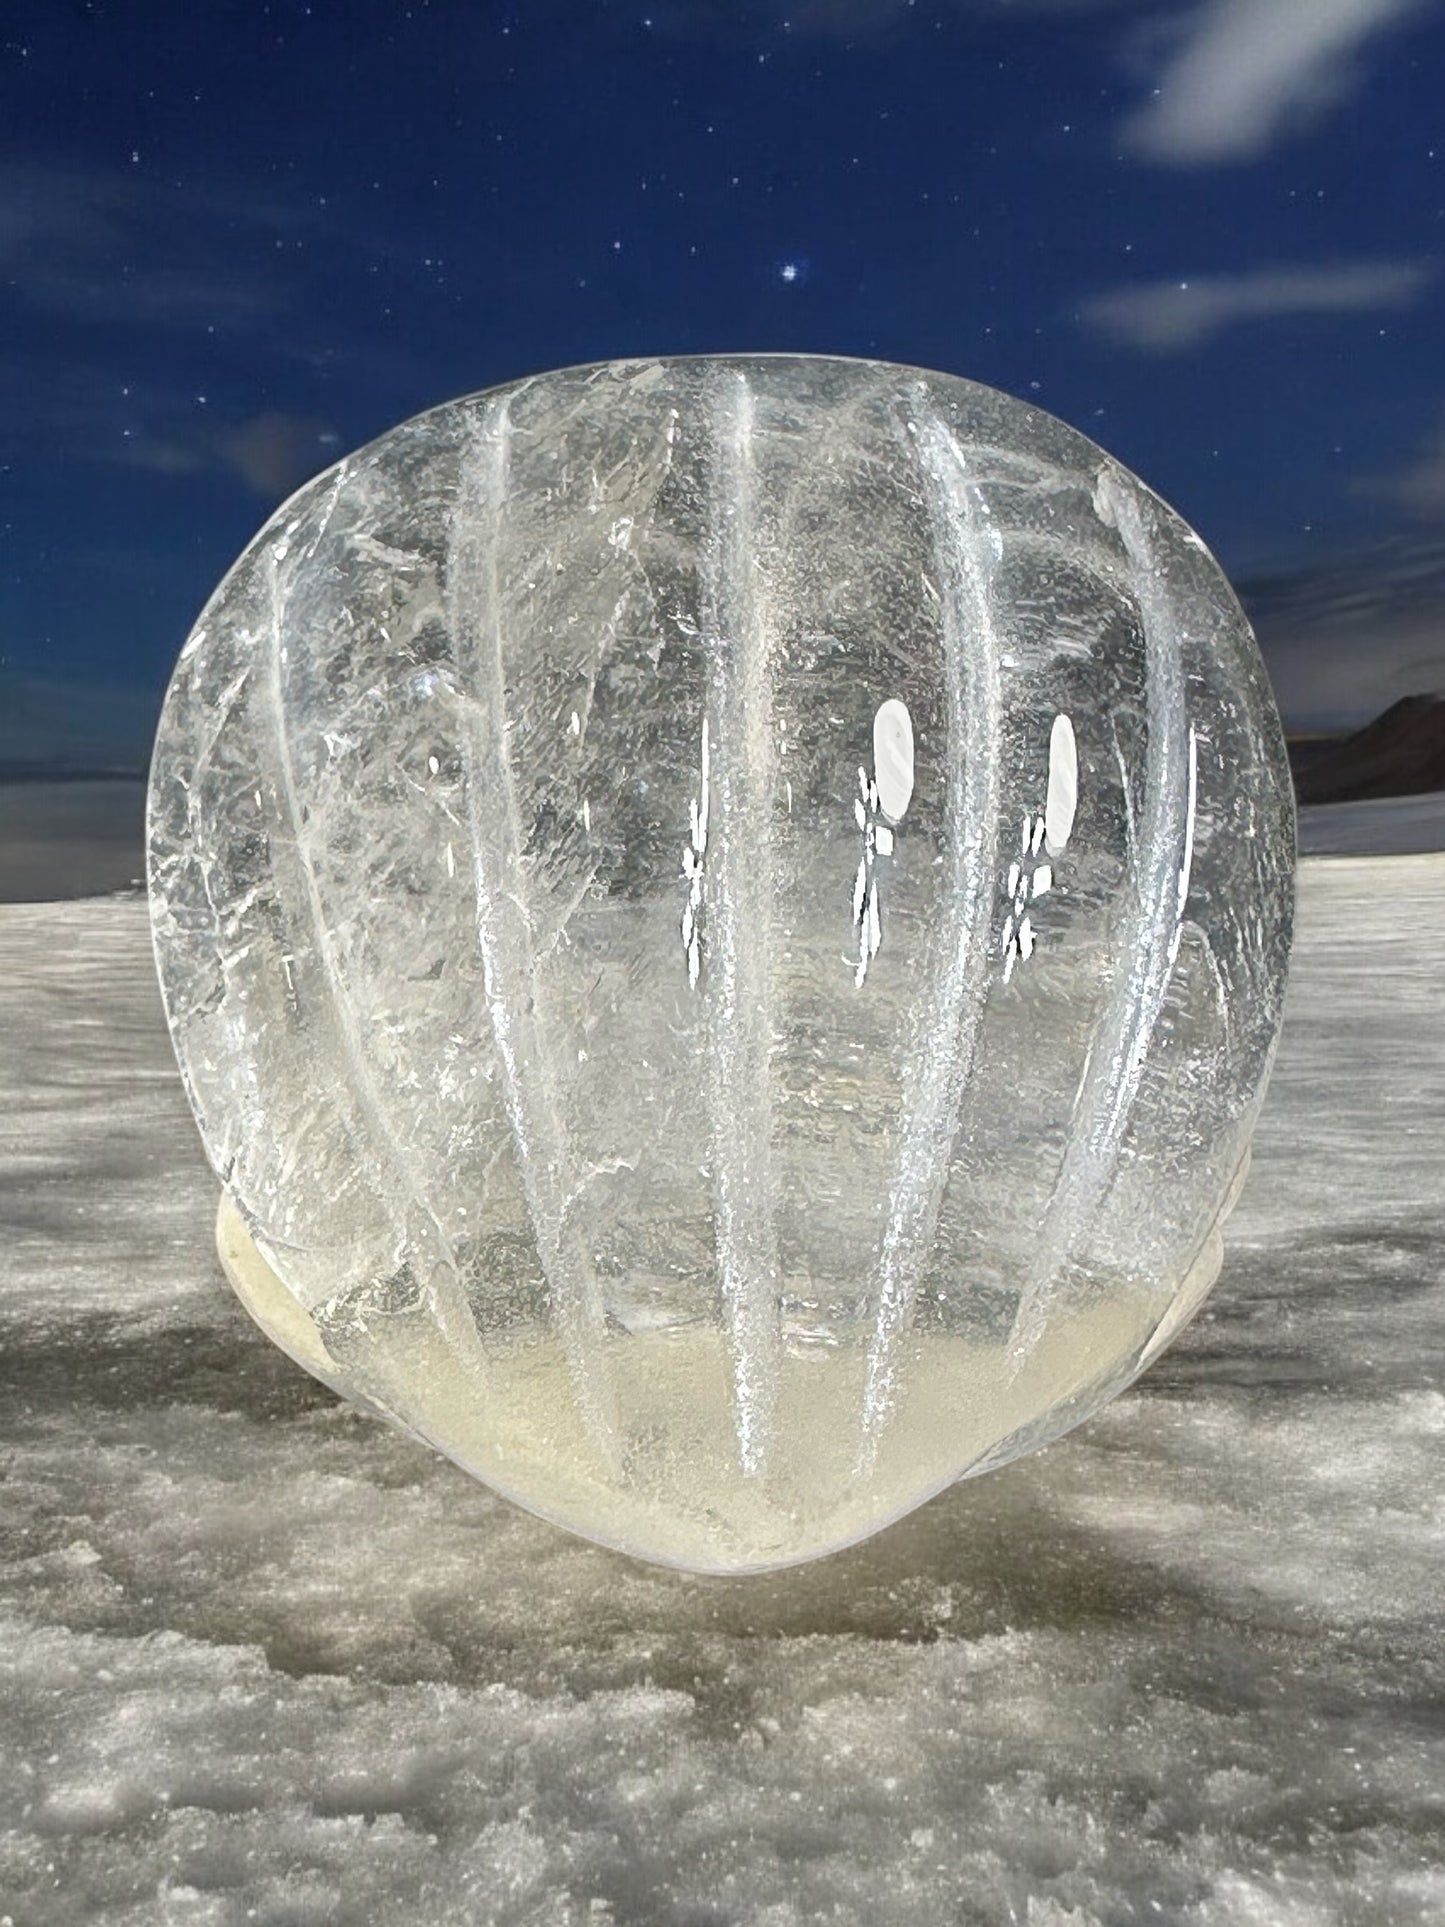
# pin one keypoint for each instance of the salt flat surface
(1404, 825)
(263, 1660)
(70, 839)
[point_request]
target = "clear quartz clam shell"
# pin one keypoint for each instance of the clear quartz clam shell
(724, 921)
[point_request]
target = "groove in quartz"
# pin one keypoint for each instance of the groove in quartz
(510, 977)
(941, 1060)
(738, 894)
(1149, 940)
(397, 1179)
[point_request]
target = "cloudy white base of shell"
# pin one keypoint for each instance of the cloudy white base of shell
(671, 1486)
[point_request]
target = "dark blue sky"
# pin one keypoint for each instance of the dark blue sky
(237, 239)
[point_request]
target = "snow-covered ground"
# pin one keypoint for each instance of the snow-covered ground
(264, 1660)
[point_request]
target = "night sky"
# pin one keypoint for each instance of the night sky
(241, 239)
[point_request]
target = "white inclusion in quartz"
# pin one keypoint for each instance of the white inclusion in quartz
(1063, 798)
(1049, 832)
(692, 857)
(883, 800)
(893, 758)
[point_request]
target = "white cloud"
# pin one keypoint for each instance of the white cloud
(1168, 316)
(1247, 72)
(1419, 486)
(198, 256)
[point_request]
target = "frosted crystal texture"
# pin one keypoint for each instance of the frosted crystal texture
(724, 921)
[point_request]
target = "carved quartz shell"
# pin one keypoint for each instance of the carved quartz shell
(724, 922)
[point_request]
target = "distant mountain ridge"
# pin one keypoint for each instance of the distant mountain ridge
(1400, 753)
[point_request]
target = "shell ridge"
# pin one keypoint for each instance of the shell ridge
(1120, 1046)
(941, 1058)
(503, 927)
(441, 1283)
(738, 887)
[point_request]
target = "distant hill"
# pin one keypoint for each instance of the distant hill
(1401, 753)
